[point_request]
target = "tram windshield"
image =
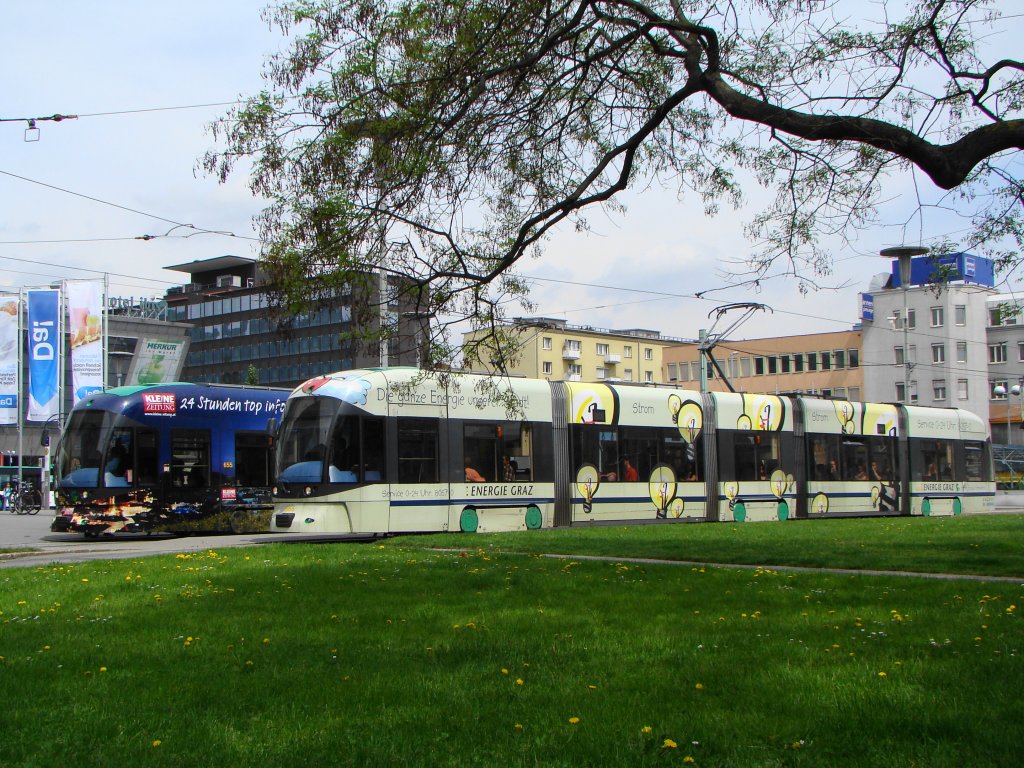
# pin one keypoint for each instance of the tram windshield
(305, 435)
(81, 449)
(321, 443)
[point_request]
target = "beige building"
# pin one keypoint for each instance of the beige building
(828, 364)
(553, 349)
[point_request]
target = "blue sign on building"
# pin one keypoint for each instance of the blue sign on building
(867, 306)
(948, 267)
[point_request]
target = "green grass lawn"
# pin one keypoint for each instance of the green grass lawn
(399, 654)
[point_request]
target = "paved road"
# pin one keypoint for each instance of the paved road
(33, 532)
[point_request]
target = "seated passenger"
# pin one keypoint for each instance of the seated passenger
(472, 476)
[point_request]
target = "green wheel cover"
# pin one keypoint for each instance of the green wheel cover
(957, 506)
(469, 521)
(926, 507)
(739, 512)
(534, 518)
(783, 510)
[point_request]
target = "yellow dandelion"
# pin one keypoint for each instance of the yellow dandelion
(103, 669)
(574, 721)
(157, 742)
(646, 729)
(85, 581)
(699, 686)
(519, 681)
(688, 760)
(882, 674)
(504, 671)
(266, 641)
(668, 744)
(519, 726)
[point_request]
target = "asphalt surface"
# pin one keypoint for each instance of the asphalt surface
(42, 547)
(32, 534)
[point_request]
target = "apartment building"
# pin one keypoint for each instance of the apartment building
(556, 350)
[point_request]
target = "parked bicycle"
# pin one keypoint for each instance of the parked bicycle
(24, 499)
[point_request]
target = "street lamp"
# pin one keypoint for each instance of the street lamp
(904, 253)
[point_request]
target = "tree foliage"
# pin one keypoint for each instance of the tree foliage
(444, 141)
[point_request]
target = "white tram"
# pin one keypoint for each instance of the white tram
(397, 450)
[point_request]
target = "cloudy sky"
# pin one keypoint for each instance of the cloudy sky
(145, 80)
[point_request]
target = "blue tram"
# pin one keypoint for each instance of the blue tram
(175, 457)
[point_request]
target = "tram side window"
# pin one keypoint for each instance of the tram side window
(372, 451)
(687, 459)
(516, 451)
(254, 459)
(755, 455)
(597, 445)
(855, 459)
(417, 450)
(190, 458)
(883, 457)
(638, 452)
(824, 454)
(932, 460)
(119, 468)
(480, 451)
(147, 457)
(977, 465)
(81, 449)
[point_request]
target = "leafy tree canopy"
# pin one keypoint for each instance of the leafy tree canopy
(444, 140)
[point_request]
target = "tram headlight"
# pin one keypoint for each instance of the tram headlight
(308, 491)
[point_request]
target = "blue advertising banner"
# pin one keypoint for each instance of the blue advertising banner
(44, 353)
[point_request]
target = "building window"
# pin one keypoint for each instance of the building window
(826, 360)
(1020, 351)
(627, 352)
(602, 373)
(571, 345)
(545, 343)
(575, 370)
(839, 358)
(547, 369)
(911, 324)
(672, 372)
(937, 316)
(853, 356)
(745, 367)
(961, 389)
(960, 314)
(784, 363)
(628, 374)
(901, 392)
(798, 363)
(939, 389)
(997, 352)
(938, 353)
(773, 364)
(649, 377)
(853, 393)
(839, 392)
(759, 366)
(998, 384)
(684, 371)
(961, 352)
(648, 353)
(602, 349)
(812, 361)
(897, 353)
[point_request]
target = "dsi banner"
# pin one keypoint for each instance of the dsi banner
(44, 353)
(10, 358)
(85, 307)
